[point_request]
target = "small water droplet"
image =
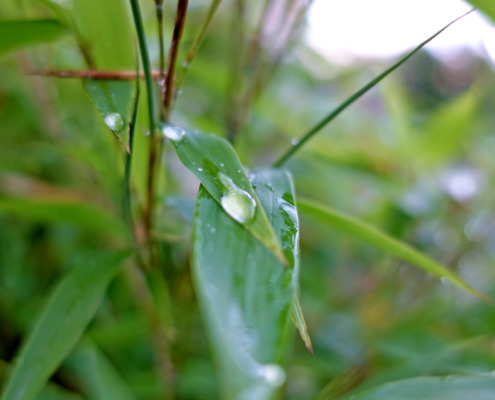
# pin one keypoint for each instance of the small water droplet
(238, 203)
(273, 374)
(295, 142)
(222, 164)
(200, 169)
(173, 132)
(212, 229)
(146, 133)
(115, 122)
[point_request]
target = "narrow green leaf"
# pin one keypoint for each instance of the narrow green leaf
(78, 213)
(477, 387)
(71, 306)
(382, 241)
(245, 294)
(19, 34)
(114, 100)
(216, 165)
(100, 378)
(336, 112)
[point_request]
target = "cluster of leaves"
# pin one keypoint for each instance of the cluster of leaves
(99, 196)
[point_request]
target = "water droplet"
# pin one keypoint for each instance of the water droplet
(213, 229)
(200, 169)
(238, 203)
(222, 164)
(173, 132)
(146, 133)
(273, 374)
(115, 122)
(295, 141)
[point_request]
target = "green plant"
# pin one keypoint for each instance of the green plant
(103, 208)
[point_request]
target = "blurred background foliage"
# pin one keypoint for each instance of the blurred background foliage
(414, 157)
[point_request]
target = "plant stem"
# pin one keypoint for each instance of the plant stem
(198, 39)
(180, 20)
(315, 129)
(143, 49)
(159, 21)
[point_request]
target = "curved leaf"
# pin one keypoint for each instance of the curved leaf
(382, 241)
(18, 34)
(246, 295)
(60, 325)
(478, 387)
(216, 165)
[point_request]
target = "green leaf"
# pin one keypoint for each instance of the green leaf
(114, 100)
(100, 378)
(216, 165)
(78, 213)
(19, 34)
(486, 6)
(246, 295)
(477, 387)
(361, 230)
(63, 319)
(106, 30)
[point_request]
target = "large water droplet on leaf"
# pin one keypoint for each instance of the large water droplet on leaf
(236, 202)
(173, 132)
(115, 122)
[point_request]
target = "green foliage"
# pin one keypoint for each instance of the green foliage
(210, 299)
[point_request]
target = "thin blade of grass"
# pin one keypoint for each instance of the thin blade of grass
(245, 294)
(361, 230)
(215, 163)
(63, 319)
(330, 117)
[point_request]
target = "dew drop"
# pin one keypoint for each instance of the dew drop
(173, 132)
(236, 202)
(295, 141)
(200, 169)
(273, 374)
(222, 164)
(115, 122)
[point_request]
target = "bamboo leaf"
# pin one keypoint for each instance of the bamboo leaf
(382, 241)
(114, 100)
(69, 309)
(216, 165)
(19, 34)
(476, 387)
(245, 294)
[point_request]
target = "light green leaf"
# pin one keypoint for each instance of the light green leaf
(361, 230)
(63, 319)
(216, 165)
(246, 295)
(486, 6)
(478, 387)
(80, 214)
(106, 30)
(114, 101)
(19, 34)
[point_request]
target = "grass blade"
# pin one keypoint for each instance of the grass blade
(330, 117)
(215, 163)
(476, 387)
(19, 34)
(382, 241)
(69, 309)
(245, 293)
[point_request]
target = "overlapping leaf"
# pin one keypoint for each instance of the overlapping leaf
(60, 325)
(246, 294)
(215, 163)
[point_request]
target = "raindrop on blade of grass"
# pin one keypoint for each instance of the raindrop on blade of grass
(236, 202)
(173, 132)
(115, 122)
